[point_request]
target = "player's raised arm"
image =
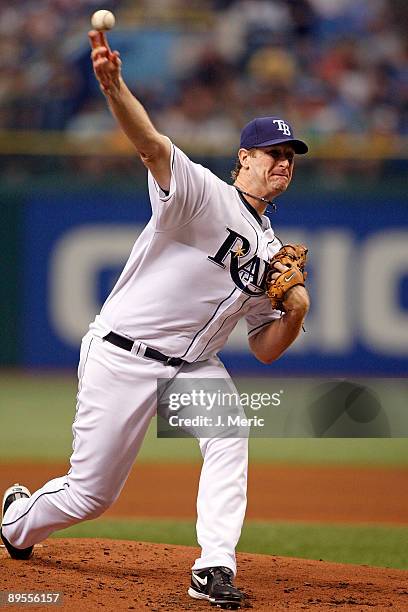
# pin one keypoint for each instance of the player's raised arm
(153, 148)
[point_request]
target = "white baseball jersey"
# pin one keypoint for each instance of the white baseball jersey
(196, 269)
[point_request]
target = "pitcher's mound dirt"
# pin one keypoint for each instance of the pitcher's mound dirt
(115, 575)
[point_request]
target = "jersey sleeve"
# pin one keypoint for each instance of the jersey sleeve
(188, 186)
(261, 314)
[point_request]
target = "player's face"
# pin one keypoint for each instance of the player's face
(272, 167)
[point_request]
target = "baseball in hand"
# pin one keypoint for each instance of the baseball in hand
(103, 20)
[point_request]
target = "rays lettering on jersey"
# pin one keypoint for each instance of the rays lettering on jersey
(251, 272)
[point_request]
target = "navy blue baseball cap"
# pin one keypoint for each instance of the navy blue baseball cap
(266, 131)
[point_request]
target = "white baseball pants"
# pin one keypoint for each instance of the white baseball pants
(115, 403)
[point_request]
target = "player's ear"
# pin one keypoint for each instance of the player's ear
(243, 155)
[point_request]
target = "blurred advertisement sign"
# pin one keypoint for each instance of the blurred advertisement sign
(358, 272)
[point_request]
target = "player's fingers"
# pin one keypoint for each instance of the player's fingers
(99, 44)
(101, 64)
(102, 69)
(110, 63)
(99, 52)
(105, 62)
(103, 41)
(93, 36)
(114, 66)
(115, 58)
(280, 267)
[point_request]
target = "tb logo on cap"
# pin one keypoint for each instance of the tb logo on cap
(282, 127)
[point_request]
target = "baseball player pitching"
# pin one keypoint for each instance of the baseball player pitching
(220, 261)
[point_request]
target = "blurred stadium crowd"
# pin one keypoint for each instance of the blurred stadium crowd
(330, 66)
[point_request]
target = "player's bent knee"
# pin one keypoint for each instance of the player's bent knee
(90, 507)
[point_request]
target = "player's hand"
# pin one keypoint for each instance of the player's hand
(279, 267)
(297, 298)
(106, 63)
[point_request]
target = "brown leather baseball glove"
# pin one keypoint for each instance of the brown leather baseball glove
(294, 257)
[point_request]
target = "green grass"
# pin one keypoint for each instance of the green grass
(37, 413)
(371, 545)
(350, 451)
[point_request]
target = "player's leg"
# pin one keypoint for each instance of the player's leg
(116, 400)
(221, 501)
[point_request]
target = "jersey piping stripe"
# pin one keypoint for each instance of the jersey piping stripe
(267, 322)
(281, 243)
(79, 390)
(32, 505)
(216, 332)
(208, 322)
(86, 359)
(250, 209)
(172, 169)
(255, 230)
(262, 325)
(249, 222)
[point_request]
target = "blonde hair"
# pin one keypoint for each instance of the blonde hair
(235, 171)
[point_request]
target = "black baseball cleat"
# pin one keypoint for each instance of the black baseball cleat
(12, 493)
(215, 585)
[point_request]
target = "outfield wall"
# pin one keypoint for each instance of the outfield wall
(64, 250)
